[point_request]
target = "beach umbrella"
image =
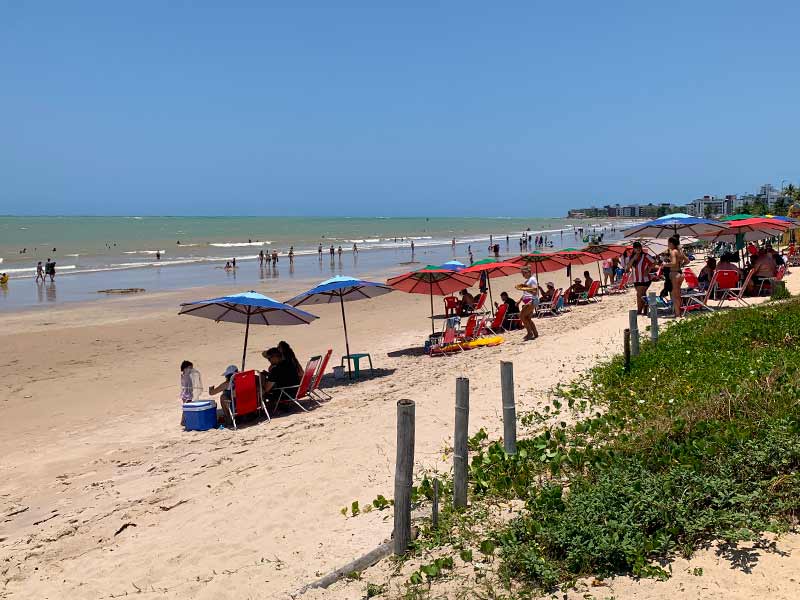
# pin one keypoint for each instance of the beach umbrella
(603, 252)
(736, 217)
(247, 307)
(453, 265)
(492, 267)
(756, 228)
(540, 261)
(675, 224)
(432, 280)
(341, 289)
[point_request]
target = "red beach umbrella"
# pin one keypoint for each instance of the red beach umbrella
(493, 268)
(751, 229)
(541, 261)
(604, 252)
(432, 280)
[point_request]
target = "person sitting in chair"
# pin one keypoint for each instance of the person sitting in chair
(282, 374)
(547, 294)
(225, 389)
(576, 289)
(466, 304)
(512, 312)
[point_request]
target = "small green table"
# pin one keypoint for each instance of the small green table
(356, 358)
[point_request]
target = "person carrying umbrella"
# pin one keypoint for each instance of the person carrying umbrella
(530, 298)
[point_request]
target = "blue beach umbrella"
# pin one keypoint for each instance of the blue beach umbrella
(675, 224)
(453, 265)
(341, 289)
(247, 307)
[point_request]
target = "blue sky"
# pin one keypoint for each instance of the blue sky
(362, 108)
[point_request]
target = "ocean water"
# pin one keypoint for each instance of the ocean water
(94, 253)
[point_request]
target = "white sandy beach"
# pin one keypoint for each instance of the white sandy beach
(103, 494)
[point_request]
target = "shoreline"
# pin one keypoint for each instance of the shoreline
(378, 263)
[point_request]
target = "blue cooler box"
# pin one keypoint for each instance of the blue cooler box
(199, 416)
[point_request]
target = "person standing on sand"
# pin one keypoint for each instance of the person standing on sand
(640, 265)
(274, 258)
(530, 298)
(339, 251)
(260, 258)
(319, 252)
(332, 251)
(291, 255)
(677, 260)
(158, 255)
(355, 249)
(233, 262)
(39, 272)
(453, 244)
(412, 247)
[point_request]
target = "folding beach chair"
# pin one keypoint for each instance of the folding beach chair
(550, 307)
(621, 286)
(698, 300)
(314, 390)
(771, 280)
(590, 295)
(479, 308)
(471, 329)
(728, 285)
(690, 279)
(295, 393)
(246, 396)
(496, 325)
(449, 338)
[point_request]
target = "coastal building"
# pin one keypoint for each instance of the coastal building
(708, 206)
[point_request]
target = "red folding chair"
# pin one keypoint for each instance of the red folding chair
(591, 294)
(690, 279)
(295, 393)
(246, 396)
(621, 286)
(315, 391)
(699, 300)
(728, 284)
(496, 325)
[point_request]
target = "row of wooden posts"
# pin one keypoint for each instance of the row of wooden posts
(404, 469)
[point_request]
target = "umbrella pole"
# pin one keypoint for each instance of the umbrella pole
(433, 329)
(346, 341)
(600, 275)
(489, 285)
(246, 334)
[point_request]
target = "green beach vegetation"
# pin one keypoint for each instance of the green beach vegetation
(698, 442)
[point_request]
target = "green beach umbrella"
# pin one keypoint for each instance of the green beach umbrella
(737, 217)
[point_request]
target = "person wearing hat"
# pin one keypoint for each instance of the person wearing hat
(225, 389)
(546, 295)
(576, 289)
(282, 374)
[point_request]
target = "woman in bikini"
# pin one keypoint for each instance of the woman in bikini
(677, 260)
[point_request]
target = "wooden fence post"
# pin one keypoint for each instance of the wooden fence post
(633, 324)
(627, 349)
(403, 475)
(460, 450)
(509, 410)
(651, 302)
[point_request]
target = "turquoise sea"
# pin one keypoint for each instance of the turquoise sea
(93, 253)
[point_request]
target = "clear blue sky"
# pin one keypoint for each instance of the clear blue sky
(361, 108)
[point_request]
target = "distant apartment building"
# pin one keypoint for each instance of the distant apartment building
(768, 195)
(708, 206)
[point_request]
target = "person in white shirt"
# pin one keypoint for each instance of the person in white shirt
(530, 298)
